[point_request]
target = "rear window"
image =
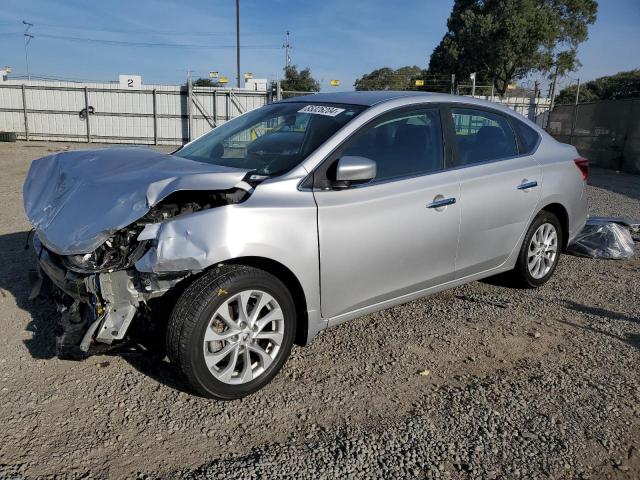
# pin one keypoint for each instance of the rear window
(528, 136)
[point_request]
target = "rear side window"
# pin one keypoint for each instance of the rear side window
(482, 136)
(528, 136)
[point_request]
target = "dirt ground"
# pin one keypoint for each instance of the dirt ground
(521, 383)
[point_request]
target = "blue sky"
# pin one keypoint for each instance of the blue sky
(338, 39)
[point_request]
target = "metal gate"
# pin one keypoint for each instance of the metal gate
(160, 115)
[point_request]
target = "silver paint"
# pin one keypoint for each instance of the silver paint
(369, 247)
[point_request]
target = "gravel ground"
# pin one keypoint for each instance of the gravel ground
(514, 383)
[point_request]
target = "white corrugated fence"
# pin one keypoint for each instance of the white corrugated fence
(152, 114)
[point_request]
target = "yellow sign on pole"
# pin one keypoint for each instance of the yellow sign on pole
(223, 80)
(335, 83)
(419, 83)
(512, 86)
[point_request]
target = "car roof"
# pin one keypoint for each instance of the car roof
(367, 98)
(370, 98)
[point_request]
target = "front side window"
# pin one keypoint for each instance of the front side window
(402, 144)
(482, 136)
(273, 139)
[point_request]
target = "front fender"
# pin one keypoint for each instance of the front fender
(255, 228)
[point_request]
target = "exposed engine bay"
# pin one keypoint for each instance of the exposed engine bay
(99, 294)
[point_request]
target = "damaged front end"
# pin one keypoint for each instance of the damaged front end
(99, 294)
(96, 309)
(91, 230)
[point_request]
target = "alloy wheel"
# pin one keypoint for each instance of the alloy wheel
(243, 337)
(542, 251)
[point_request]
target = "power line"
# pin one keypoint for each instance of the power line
(147, 32)
(151, 44)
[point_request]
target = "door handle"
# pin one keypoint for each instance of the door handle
(527, 185)
(441, 203)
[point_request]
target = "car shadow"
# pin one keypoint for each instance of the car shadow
(154, 365)
(144, 352)
(505, 280)
(16, 263)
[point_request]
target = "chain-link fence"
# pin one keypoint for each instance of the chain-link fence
(606, 132)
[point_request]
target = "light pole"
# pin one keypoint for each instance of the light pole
(27, 39)
(238, 41)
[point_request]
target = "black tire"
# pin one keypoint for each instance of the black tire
(191, 316)
(521, 273)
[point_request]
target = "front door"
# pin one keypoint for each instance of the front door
(398, 233)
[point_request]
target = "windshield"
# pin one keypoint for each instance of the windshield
(273, 139)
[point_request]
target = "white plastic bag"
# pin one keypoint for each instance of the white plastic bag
(604, 237)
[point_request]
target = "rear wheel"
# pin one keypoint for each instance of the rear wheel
(231, 331)
(540, 251)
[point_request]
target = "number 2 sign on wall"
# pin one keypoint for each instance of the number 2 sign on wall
(130, 82)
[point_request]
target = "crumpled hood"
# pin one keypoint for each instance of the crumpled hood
(76, 200)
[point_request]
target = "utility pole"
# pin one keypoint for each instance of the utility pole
(286, 46)
(238, 41)
(534, 101)
(553, 88)
(27, 40)
(189, 106)
(575, 113)
(473, 86)
(453, 82)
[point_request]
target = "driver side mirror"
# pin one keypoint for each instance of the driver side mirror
(354, 169)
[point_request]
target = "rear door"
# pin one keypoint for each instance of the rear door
(499, 188)
(387, 238)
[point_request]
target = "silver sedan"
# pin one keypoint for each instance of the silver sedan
(296, 217)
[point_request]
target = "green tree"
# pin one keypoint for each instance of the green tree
(389, 79)
(505, 40)
(206, 82)
(612, 87)
(299, 81)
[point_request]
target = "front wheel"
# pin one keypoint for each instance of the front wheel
(540, 251)
(231, 331)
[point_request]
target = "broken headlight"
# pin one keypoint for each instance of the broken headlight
(80, 263)
(119, 252)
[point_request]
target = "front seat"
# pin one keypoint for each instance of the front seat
(410, 149)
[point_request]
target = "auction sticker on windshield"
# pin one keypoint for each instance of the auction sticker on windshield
(322, 110)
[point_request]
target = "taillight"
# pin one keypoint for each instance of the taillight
(583, 166)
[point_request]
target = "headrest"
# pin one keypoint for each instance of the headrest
(415, 136)
(490, 134)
